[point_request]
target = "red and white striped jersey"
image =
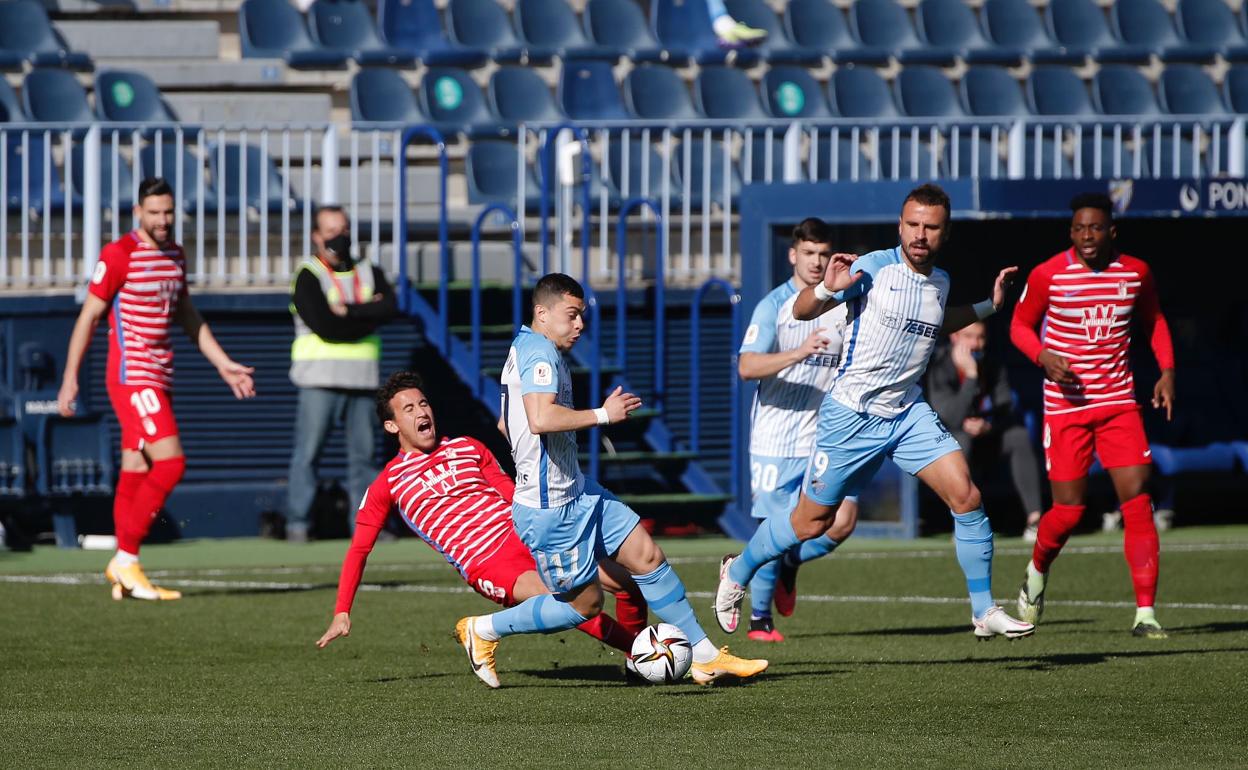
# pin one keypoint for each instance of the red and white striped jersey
(144, 285)
(1087, 319)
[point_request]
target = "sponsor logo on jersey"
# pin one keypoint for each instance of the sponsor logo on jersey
(823, 359)
(921, 328)
(1097, 321)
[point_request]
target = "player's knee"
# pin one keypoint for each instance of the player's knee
(809, 528)
(965, 498)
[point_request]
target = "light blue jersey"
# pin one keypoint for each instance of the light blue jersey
(547, 472)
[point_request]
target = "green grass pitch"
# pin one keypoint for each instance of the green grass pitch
(880, 667)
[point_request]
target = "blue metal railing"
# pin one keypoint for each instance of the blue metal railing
(517, 245)
(695, 380)
(443, 337)
(660, 298)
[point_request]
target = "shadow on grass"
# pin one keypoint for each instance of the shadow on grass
(1048, 662)
(963, 628)
(1211, 628)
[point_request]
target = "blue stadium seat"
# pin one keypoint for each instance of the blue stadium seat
(12, 460)
(1080, 27)
(698, 173)
(55, 96)
(382, 95)
(778, 47)
(993, 91)
(123, 171)
(726, 93)
(519, 95)
(820, 25)
(416, 26)
(10, 106)
(975, 157)
(273, 29)
(483, 24)
(454, 103)
(259, 166)
(1056, 90)
(1147, 23)
(640, 156)
(846, 152)
(1015, 24)
(658, 93)
(491, 170)
(122, 96)
(551, 25)
(27, 34)
(1218, 457)
(860, 92)
(951, 25)
(924, 92)
(587, 91)
(1125, 157)
(346, 26)
(791, 92)
(1162, 160)
(75, 456)
(38, 185)
(684, 25)
(619, 24)
(191, 169)
(1120, 89)
(884, 24)
(1211, 23)
(1236, 85)
(1185, 89)
(907, 165)
(1053, 163)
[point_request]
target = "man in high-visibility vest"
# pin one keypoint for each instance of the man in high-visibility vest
(335, 360)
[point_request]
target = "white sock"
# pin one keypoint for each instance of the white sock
(704, 651)
(125, 559)
(483, 625)
(723, 25)
(1035, 580)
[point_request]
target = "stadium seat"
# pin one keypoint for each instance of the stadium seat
(454, 103)
(75, 456)
(1218, 457)
(1185, 89)
(12, 459)
(55, 96)
(483, 24)
(1120, 89)
(551, 25)
(846, 152)
(1057, 90)
(991, 91)
(791, 92)
(519, 95)
(122, 96)
(658, 93)
(189, 165)
(641, 156)
(698, 173)
(951, 25)
(820, 25)
(1080, 27)
(415, 26)
(727, 94)
(1016, 25)
(587, 91)
(924, 92)
(39, 184)
(975, 157)
(1049, 163)
(346, 26)
(27, 34)
(1211, 23)
(1236, 85)
(619, 24)
(382, 95)
(259, 166)
(122, 170)
(273, 29)
(1147, 23)
(859, 92)
(491, 171)
(912, 160)
(884, 24)
(1125, 166)
(1162, 158)
(778, 47)
(685, 25)
(10, 106)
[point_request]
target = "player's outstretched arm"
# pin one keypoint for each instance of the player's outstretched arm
(964, 315)
(93, 309)
(814, 301)
(339, 626)
(237, 376)
(545, 416)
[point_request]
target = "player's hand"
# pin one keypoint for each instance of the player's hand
(964, 360)
(1163, 393)
(837, 275)
(815, 343)
(1056, 367)
(339, 309)
(620, 405)
(67, 398)
(339, 626)
(1002, 285)
(975, 426)
(238, 377)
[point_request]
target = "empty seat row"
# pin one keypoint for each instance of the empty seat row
(56, 96)
(27, 36)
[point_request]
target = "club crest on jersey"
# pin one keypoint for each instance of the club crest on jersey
(1097, 321)
(542, 374)
(1122, 289)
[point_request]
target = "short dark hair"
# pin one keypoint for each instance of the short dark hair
(552, 286)
(1092, 200)
(930, 195)
(332, 208)
(813, 230)
(395, 384)
(154, 185)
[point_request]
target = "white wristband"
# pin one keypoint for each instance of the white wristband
(601, 414)
(823, 293)
(983, 309)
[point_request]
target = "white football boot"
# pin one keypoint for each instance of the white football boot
(996, 623)
(1031, 595)
(728, 597)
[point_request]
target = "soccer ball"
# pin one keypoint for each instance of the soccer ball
(662, 653)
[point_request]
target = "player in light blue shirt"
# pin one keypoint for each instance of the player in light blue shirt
(567, 521)
(875, 409)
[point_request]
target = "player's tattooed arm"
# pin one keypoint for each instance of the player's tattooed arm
(839, 276)
(545, 416)
(237, 376)
(964, 315)
(93, 309)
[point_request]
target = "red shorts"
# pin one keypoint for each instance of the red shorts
(145, 414)
(496, 578)
(1116, 432)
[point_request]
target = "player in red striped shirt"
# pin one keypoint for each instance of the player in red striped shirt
(452, 493)
(140, 283)
(1087, 297)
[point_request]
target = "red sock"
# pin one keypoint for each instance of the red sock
(150, 496)
(630, 611)
(128, 482)
(604, 628)
(1055, 527)
(1142, 547)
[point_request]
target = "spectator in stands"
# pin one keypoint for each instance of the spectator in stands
(973, 399)
(335, 359)
(731, 33)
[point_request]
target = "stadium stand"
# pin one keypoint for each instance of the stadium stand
(10, 106)
(1147, 23)
(455, 104)
(1185, 89)
(483, 24)
(272, 29)
(685, 27)
(130, 97)
(27, 34)
(992, 91)
(658, 93)
(1237, 89)
(1211, 23)
(188, 167)
(380, 95)
(791, 92)
(951, 25)
(247, 177)
(55, 96)
(1016, 25)
(415, 26)
(778, 47)
(924, 92)
(492, 172)
(119, 173)
(1120, 89)
(551, 25)
(1054, 90)
(1080, 27)
(726, 93)
(860, 92)
(620, 25)
(587, 91)
(346, 27)
(704, 155)
(885, 25)
(519, 95)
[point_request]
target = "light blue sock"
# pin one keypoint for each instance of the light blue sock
(811, 550)
(762, 588)
(541, 614)
(972, 535)
(665, 594)
(715, 9)
(772, 538)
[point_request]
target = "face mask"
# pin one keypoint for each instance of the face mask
(978, 355)
(340, 245)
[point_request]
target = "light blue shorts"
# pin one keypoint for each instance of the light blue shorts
(775, 483)
(850, 447)
(568, 541)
